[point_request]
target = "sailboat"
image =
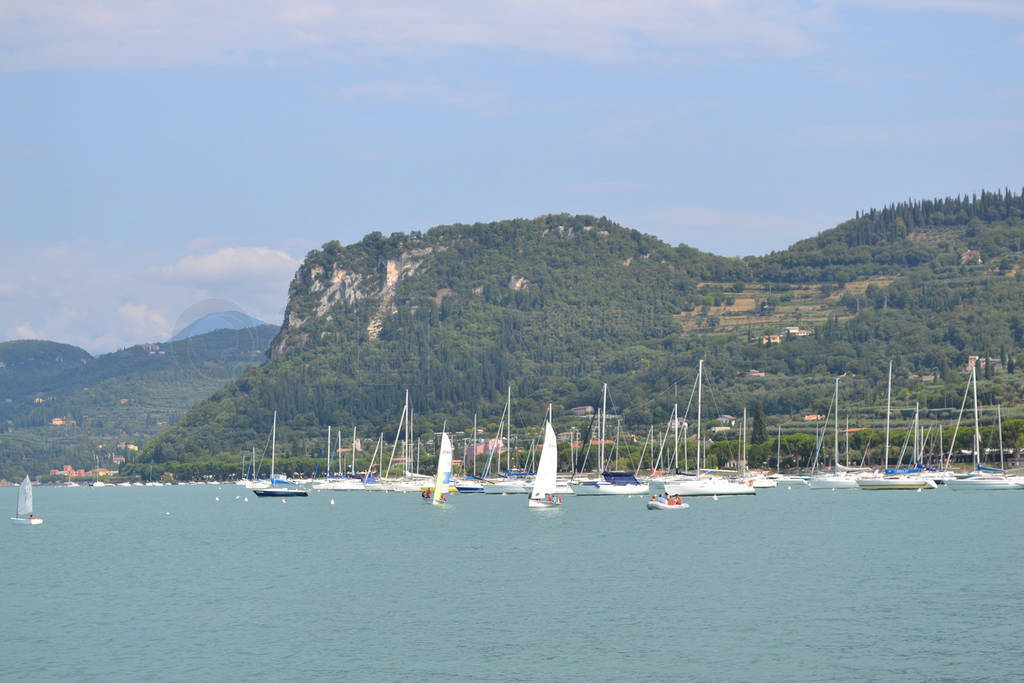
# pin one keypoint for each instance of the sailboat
(908, 479)
(703, 484)
(840, 477)
(439, 494)
(612, 483)
(543, 493)
(278, 488)
(981, 479)
(24, 514)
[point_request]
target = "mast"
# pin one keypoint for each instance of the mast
(778, 451)
(700, 387)
(675, 431)
(604, 414)
(999, 420)
(474, 444)
(328, 449)
(408, 421)
(508, 432)
(835, 447)
(273, 443)
(888, 405)
(977, 434)
(743, 441)
(353, 451)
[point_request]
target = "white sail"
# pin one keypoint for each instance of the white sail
(25, 498)
(444, 469)
(547, 469)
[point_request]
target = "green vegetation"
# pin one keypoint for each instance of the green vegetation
(557, 305)
(105, 404)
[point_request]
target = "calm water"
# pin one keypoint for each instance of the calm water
(786, 585)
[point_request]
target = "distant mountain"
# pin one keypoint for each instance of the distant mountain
(559, 305)
(222, 320)
(59, 405)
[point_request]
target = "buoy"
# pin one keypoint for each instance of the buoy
(237, 497)
(714, 497)
(217, 498)
(247, 499)
(789, 488)
(919, 490)
(833, 488)
(332, 501)
(284, 500)
(167, 513)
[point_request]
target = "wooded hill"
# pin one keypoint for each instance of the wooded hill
(60, 405)
(558, 305)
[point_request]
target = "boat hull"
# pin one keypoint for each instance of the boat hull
(982, 484)
(902, 484)
(708, 487)
(658, 505)
(280, 493)
(540, 503)
(25, 521)
(603, 488)
(832, 483)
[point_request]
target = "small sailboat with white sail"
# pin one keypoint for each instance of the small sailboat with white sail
(278, 488)
(24, 513)
(438, 494)
(545, 484)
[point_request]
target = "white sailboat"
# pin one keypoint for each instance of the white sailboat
(897, 480)
(980, 479)
(545, 484)
(839, 477)
(443, 478)
(278, 488)
(24, 514)
(611, 483)
(703, 484)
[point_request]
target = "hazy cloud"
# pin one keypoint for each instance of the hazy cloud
(126, 33)
(229, 264)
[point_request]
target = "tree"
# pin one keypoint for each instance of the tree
(758, 434)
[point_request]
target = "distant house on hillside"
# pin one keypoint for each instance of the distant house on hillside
(582, 411)
(728, 420)
(981, 363)
(771, 339)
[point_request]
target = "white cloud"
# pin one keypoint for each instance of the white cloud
(100, 295)
(479, 97)
(1012, 9)
(131, 34)
(144, 322)
(229, 264)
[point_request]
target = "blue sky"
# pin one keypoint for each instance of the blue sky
(157, 156)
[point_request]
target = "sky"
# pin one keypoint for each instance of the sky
(160, 158)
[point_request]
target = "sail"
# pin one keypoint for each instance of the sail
(25, 498)
(547, 469)
(444, 468)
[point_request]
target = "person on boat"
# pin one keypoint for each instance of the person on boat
(444, 498)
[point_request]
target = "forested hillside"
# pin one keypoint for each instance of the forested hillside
(558, 305)
(59, 405)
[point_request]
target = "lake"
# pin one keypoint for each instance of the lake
(785, 585)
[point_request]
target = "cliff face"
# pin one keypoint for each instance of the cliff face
(322, 292)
